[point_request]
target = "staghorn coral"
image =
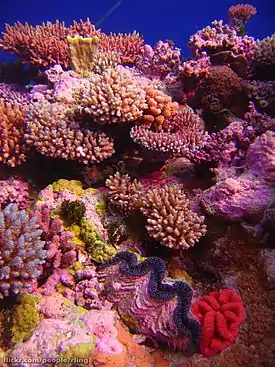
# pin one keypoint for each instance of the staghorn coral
(169, 219)
(123, 192)
(52, 133)
(21, 252)
(220, 313)
(11, 93)
(158, 310)
(195, 68)
(12, 127)
(46, 45)
(43, 45)
(113, 97)
(61, 250)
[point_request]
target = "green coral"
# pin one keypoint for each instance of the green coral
(72, 212)
(74, 186)
(100, 207)
(80, 352)
(94, 243)
(24, 318)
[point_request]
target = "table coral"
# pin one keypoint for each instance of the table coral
(221, 313)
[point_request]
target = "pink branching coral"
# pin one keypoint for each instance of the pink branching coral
(113, 97)
(183, 133)
(11, 93)
(12, 127)
(161, 60)
(58, 242)
(52, 133)
(123, 192)
(14, 190)
(195, 68)
(240, 14)
(169, 219)
(221, 38)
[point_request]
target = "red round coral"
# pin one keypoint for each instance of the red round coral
(220, 313)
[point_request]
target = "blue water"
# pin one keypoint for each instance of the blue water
(154, 19)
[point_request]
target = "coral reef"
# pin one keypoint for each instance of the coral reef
(137, 197)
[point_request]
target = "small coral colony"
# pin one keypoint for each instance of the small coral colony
(153, 244)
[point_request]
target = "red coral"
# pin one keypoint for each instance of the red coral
(220, 313)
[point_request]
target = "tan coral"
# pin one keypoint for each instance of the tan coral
(123, 192)
(113, 97)
(12, 127)
(169, 219)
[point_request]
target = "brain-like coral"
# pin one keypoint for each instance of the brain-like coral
(220, 313)
(21, 251)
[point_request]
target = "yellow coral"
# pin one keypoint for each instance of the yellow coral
(24, 318)
(82, 52)
(95, 246)
(74, 186)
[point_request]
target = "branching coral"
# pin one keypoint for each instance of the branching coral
(184, 132)
(21, 252)
(264, 56)
(46, 45)
(221, 38)
(113, 97)
(158, 310)
(123, 192)
(220, 313)
(14, 190)
(12, 127)
(52, 133)
(239, 15)
(169, 219)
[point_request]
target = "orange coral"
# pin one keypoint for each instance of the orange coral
(134, 355)
(12, 128)
(160, 110)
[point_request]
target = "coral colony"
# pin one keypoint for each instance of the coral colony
(137, 195)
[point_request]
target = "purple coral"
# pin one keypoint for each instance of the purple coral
(14, 190)
(21, 252)
(161, 310)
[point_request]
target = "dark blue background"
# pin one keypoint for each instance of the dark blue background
(170, 19)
